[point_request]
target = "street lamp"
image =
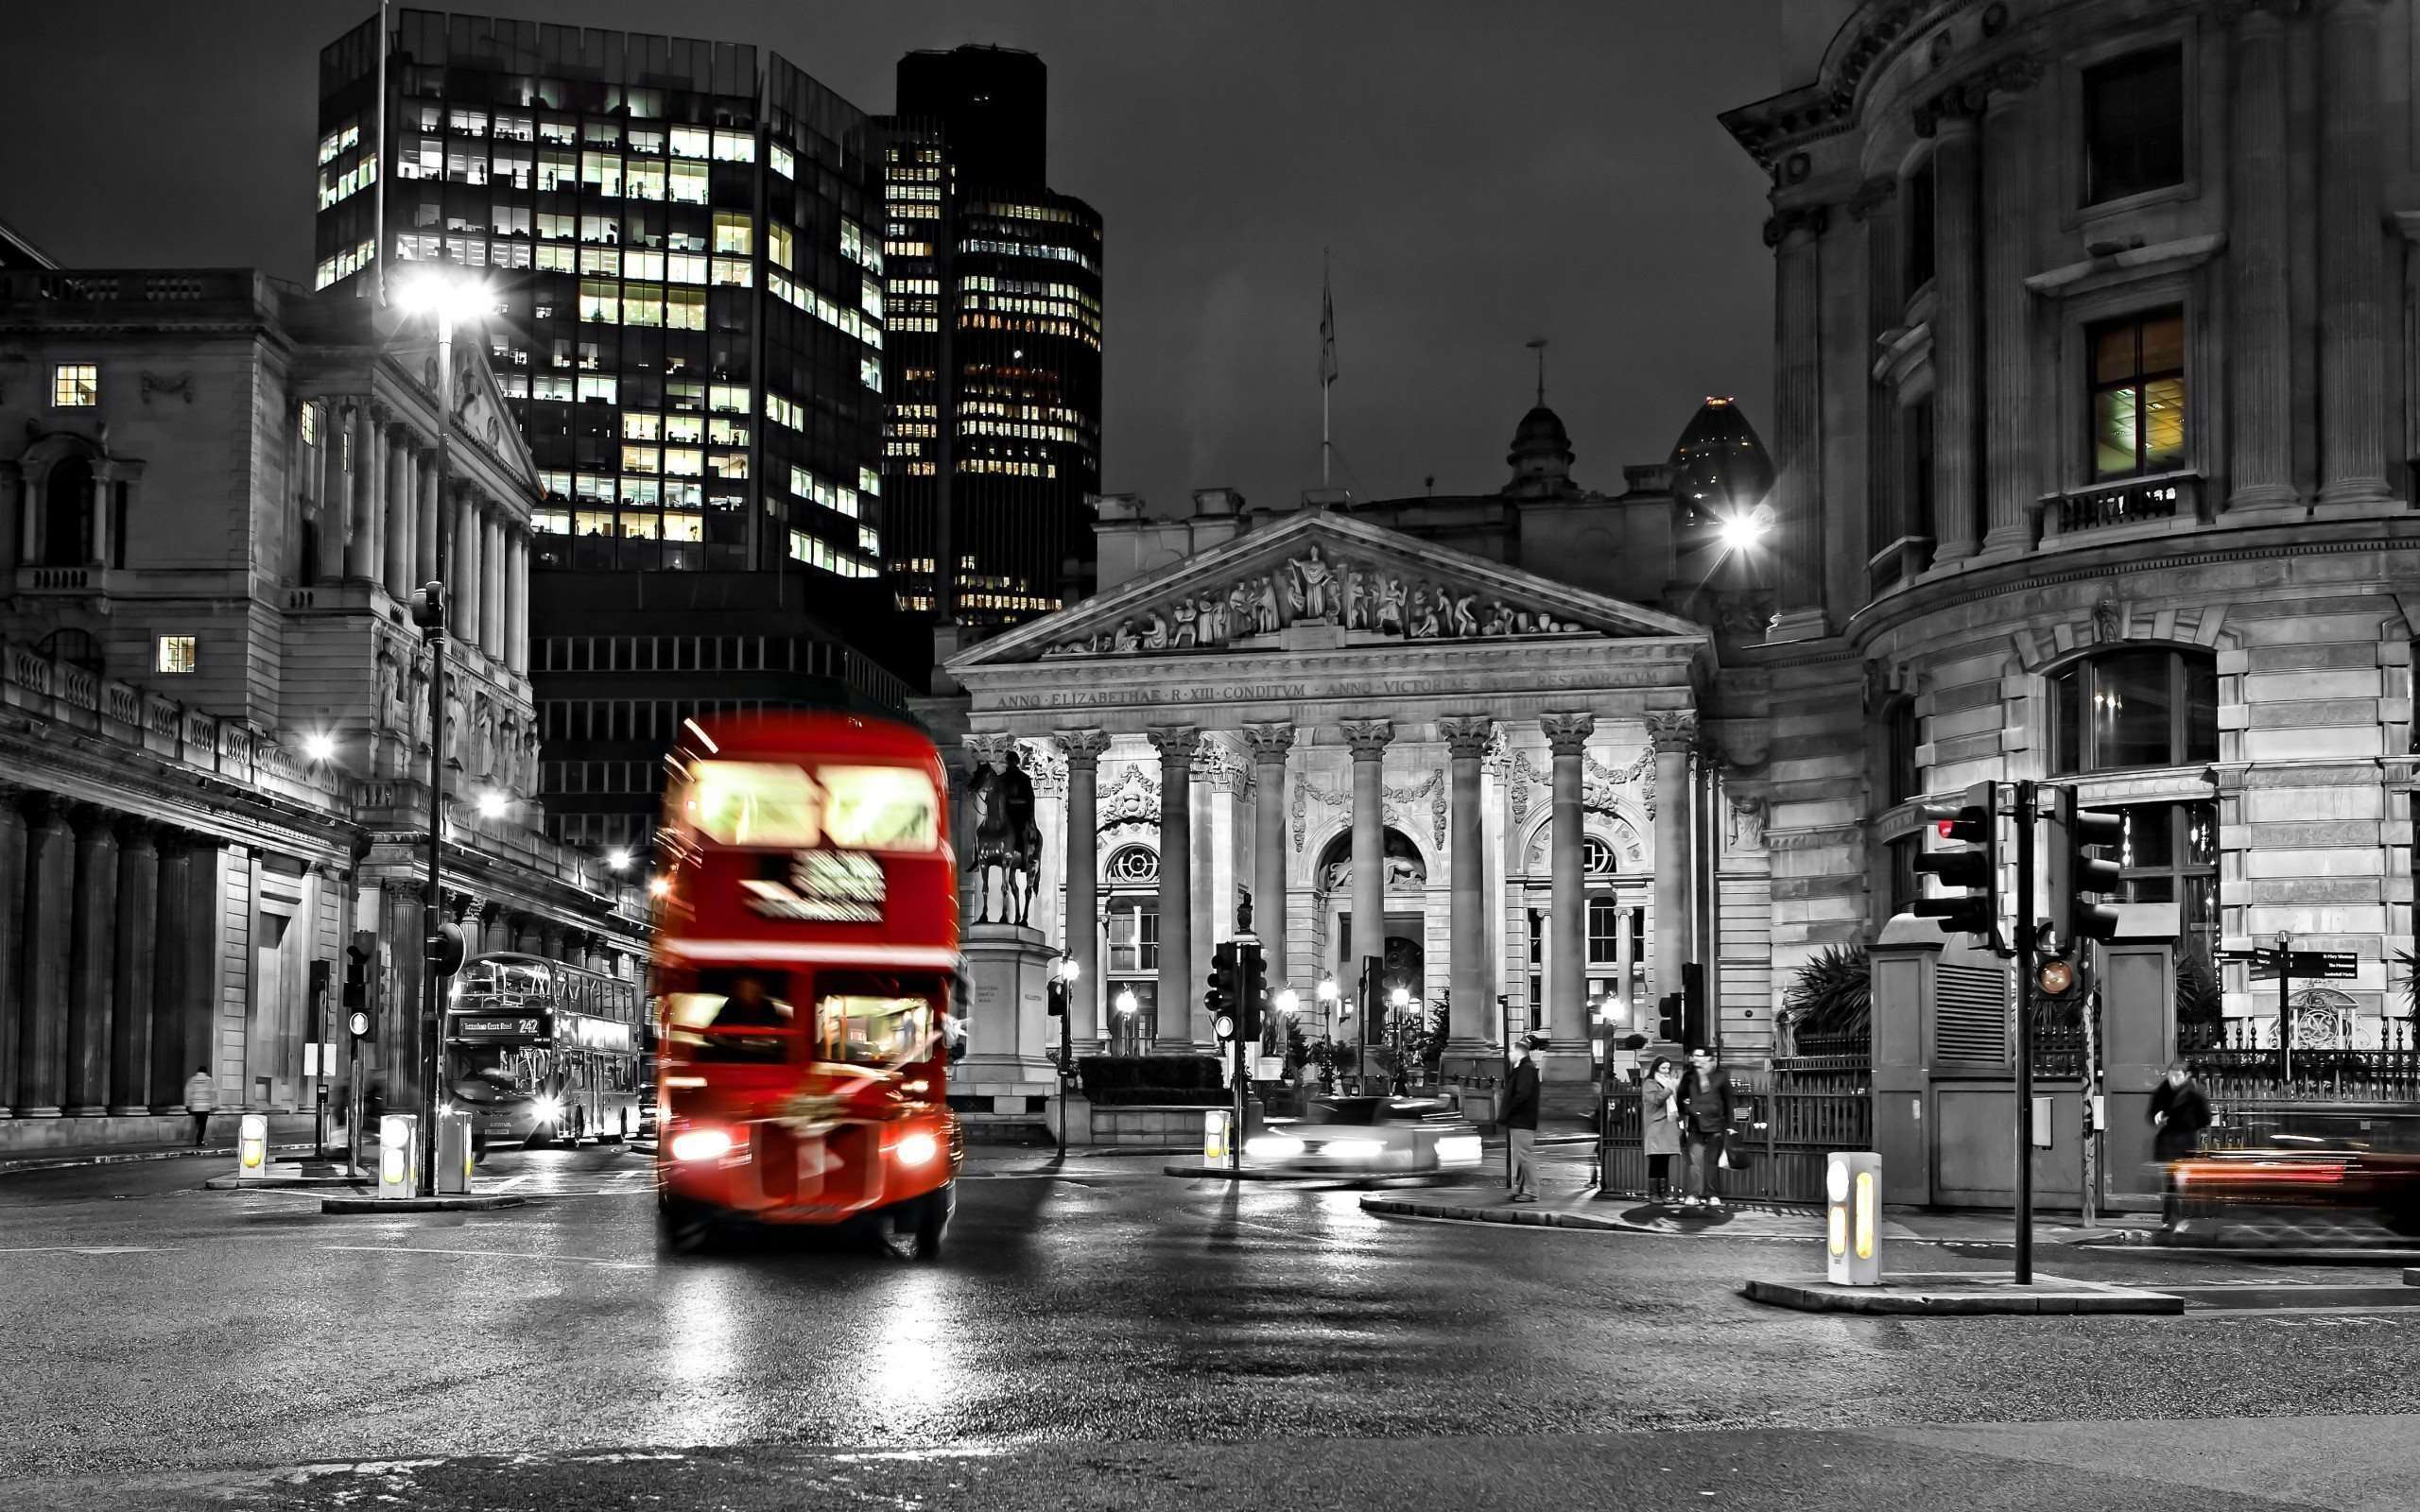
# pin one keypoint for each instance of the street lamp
(1747, 528)
(446, 295)
(493, 804)
(319, 746)
(618, 859)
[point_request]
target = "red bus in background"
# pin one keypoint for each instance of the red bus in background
(806, 950)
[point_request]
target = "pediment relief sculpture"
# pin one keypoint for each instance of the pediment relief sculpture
(1356, 595)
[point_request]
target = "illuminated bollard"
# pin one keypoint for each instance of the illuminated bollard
(1853, 1218)
(1213, 1137)
(399, 1154)
(454, 1153)
(252, 1147)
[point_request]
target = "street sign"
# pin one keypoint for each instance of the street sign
(2303, 964)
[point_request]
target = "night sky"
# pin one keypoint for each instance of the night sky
(1483, 173)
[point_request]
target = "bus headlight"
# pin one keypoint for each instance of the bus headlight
(700, 1145)
(549, 1110)
(917, 1149)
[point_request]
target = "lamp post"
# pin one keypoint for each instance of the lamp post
(445, 296)
(1399, 1000)
(1063, 974)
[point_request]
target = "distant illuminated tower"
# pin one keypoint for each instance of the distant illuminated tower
(995, 287)
(1720, 472)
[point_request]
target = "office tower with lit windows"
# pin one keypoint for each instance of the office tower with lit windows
(995, 295)
(684, 242)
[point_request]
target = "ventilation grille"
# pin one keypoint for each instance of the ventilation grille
(1970, 1014)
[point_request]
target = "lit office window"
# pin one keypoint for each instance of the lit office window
(176, 654)
(75, 384)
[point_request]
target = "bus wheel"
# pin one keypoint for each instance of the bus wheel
(682, 1227)
(932, 1220)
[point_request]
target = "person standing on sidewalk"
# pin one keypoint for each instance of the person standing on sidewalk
(1521, 1121)
(1659, 1110)
(202, 1095)
(2179, 1114)
(1706, 1118)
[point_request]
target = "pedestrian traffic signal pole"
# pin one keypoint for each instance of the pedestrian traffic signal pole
(432, 1028)
(2028, 941)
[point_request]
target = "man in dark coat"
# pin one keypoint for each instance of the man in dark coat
(2179, 1114)
(1706, 1120)
(1521, 1121)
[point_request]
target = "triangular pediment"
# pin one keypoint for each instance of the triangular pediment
(1359, 581)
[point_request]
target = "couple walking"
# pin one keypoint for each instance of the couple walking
(1688, 1114)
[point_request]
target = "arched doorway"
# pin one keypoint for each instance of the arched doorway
(1618, 887)
(1403, 955)
(1131, 959)
(67, 514)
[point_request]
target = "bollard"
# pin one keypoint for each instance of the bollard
(1853, 1218)
(252, 1147)
(1213, 1137)
(399, 1154)
(453, 1153)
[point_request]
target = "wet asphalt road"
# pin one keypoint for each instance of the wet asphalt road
(1103, 1335)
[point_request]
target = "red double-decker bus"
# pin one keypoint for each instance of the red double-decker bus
(806, 950)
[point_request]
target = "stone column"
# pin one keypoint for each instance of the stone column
(403, 1004)
(466, 583)
(1626, 966)
(1471, 1007)
(1566, 901)
(2009, 149)
(1956, 318)
(1081, 927)
(12, 907)
(1269, 744)
(1672, 732)
(424, 534)
(1178, 991)
(336, 486)
(516, 600)
(1798, 417)
(2260, 376)
(174, 1054)
(49, 915)
(398, 512)
(1877, 205)
(138, 882)
(361, 544)
(93, 974)
(2352, 289)
(492, 607)
(1368, 739)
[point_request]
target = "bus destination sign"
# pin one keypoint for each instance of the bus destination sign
(824, 887)
(502, 1026)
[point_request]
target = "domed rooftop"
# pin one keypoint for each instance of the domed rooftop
(1541, 455)
(1719, 458)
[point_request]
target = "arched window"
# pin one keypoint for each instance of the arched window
(1596, 857)
(2157, 705)
(67, 514)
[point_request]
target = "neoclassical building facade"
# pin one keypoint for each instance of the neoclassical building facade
(215, 497)
(1431, 732)
(2096, 411)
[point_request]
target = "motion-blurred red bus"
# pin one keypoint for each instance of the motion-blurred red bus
(806, 950)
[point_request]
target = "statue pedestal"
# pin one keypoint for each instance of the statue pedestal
(1008, 1067)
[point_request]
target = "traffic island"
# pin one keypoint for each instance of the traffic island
(1333, 1178)
(1968, 1295)
(292, 1173)
(457, 1202)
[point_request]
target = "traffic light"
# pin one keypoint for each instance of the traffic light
(1225, 985)
(1058, 991)
(1252, 989)
(1973, 871)
(1670, 1021)
(357, 976)
(446, 949)
(2079, 879)
(1693, 1014)
(428, 606)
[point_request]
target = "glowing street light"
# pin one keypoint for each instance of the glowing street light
(659, 886)
(1126, 1004)
(319, 746)
(493, 804)
(618, 858)
(1290, 1001)
(1747, 529)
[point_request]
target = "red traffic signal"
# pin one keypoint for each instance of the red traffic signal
(1973, 871)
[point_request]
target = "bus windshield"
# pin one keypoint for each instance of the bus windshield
(865, 1030)
(860, 1019)
(774, 805)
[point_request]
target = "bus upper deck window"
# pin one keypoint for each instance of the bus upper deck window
(879, 808)
(753, 804)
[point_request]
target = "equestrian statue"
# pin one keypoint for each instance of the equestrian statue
(1006, 836)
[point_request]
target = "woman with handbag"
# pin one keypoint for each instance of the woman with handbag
(1659, 1110)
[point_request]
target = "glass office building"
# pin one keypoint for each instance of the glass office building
(685, 242)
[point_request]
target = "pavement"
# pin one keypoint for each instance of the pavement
(70, 1158)
(1099, 1335)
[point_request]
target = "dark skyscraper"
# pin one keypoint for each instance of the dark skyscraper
(684, 238)
(994, 289)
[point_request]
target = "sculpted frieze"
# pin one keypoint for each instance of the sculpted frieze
(1318, 589)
